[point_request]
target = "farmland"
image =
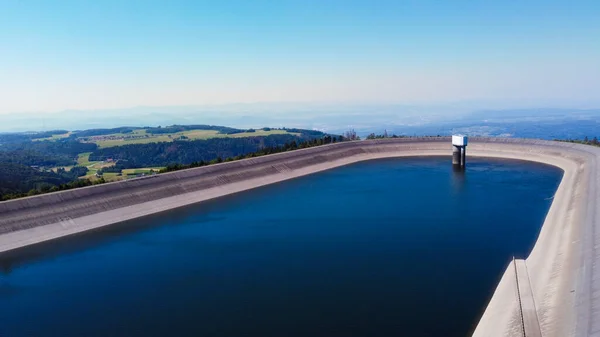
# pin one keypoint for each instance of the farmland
(142, 136)
(133, 136)
(93, 166)
(129, 173)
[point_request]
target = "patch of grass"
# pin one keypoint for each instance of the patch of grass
(83, 159)
(54, 137)
(258, 133)
(118, 142)
(141, 170)
(199, 134)
(111, 176)
(67, 168)
(125, 174)
(90, 177)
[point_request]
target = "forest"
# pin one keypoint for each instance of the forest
(8, 138)
(289, 146)
(25, 161)
(587, 141)
(179, 128)
(186, 152)
(30, 164)
(18, 180)
(43, 153)
(154, 130)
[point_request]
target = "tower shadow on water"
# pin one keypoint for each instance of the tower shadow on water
(458, 177)
(459, 154)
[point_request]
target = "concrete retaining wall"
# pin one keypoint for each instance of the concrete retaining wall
(54, 207)
(561, 268)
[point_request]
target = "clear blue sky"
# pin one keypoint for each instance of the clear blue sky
(62, 54)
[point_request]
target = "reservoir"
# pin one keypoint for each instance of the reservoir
(394, 247)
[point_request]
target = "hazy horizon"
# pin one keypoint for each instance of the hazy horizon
(545, 123)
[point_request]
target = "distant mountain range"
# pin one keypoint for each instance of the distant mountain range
(546, 123)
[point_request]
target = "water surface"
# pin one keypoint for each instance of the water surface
(398, 247)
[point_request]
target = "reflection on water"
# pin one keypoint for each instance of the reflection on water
(458, 177)
(458, 168)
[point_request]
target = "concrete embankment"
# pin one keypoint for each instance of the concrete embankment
(553, 288)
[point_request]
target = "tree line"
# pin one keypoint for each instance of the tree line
(18, 180)
(288, 146)
(36, 182)
(46, 153)
(180, 128)
(153, 130)
(586, 140)
(187, 152)
(19, 137)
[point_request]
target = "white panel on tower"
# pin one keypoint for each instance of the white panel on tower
(459, 140)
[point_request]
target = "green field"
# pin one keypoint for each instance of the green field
(142, 137)
(67, 168)
(83, 159)
(262, 133)
(109, 176)
(93, 166)
(54, 137)
(141, 170)
(125, 174)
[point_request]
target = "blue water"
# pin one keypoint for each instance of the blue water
(402, 247)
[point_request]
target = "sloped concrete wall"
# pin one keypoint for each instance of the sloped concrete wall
(54, 207)
(562, 267)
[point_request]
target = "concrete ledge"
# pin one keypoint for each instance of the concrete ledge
(530, 321)
(561, 267)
